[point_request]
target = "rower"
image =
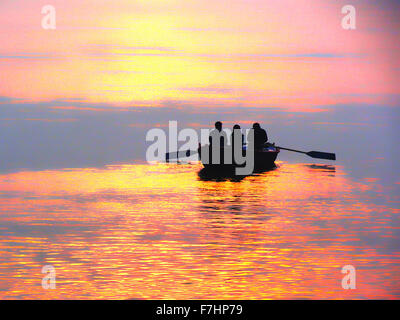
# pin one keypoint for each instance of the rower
(236, 127)
(260, 136)
(218, 140)
(237, 130)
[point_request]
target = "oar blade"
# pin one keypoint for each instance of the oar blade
(179, 155)
(322, 155)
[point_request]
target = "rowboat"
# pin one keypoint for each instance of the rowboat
(264, 159)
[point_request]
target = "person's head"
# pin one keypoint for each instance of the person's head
(256, 125)
(218, 125)
(236, 126)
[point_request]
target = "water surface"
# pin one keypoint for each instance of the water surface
(163, 232)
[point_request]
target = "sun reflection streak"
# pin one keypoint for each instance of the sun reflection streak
(163, 232)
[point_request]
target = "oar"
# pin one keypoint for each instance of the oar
(314, 154)
(179, 154)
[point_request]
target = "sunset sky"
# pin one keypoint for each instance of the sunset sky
(110, 70)
(290, 53)
(77, 193)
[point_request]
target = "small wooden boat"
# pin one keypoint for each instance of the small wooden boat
(264, 159)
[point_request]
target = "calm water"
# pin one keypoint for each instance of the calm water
(162, 231)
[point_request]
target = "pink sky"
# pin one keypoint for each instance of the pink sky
(289, 53)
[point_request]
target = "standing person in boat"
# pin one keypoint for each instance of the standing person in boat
(217, 135)
(260, 136)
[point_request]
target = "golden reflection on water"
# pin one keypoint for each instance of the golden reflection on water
(164, 232)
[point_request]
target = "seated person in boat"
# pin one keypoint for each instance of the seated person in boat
(260, 136)
(218, 140)
(238, 132)
(236, 127)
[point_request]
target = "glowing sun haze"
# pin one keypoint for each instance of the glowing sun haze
(289, 53)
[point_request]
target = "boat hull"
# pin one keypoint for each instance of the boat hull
(264, 159)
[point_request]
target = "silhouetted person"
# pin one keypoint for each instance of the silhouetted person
(218, 132)
(236, 128)
(260, 136)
